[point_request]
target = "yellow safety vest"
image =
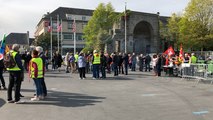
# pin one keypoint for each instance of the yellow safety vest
(97, 59)
(76, 57)
(16, 68)
(39, 63)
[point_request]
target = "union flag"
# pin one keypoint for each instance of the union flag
(181, 53)
(170, 51)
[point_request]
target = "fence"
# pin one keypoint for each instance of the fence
(197, 71)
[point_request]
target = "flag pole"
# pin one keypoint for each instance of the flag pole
(61, 38)
(74, 25)
(125, 29)
(51, 39)
(58, 31)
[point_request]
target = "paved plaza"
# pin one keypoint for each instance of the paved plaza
(137, 96)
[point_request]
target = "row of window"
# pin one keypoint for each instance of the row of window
(77, 17)
(69, 25)
(71, 37)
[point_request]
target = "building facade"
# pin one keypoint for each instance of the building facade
(142, 30)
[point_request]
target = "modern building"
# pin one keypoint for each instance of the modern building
(65, 17)
(142, 30)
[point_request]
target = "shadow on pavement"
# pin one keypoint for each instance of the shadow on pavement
(2, 102)
(65, 99)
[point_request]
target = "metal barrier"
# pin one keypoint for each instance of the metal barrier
(197, 71)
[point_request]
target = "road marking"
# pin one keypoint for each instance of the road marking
(148, 95)
(200, 112)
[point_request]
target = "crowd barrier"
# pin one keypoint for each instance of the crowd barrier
(197, 71)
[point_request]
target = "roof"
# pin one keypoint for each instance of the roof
(62, 11)
(17, 38)
(164, 19)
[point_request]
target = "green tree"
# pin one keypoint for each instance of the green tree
(44, 41)
(96, 31)
(197, 24)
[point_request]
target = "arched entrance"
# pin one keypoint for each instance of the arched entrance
(142, 37)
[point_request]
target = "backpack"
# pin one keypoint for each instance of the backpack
(9, 62)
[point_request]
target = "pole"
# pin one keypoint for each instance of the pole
(51, 39)
(125, 29)
(74, 25)
(61, 37)
(58, 31)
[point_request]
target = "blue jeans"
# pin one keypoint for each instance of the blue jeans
(39, 89)
(96, 70)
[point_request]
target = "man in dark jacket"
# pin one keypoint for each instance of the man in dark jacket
(1, 75)
(120, 64)
(115, 63)
(15, 76)
(103, 65)
(126, 62)
(147, 62)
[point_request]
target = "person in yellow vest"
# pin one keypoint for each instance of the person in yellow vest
(96, 61)
(15, 76)
(193, 58)
(36, 68)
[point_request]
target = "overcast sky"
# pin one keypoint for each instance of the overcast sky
(23, 15)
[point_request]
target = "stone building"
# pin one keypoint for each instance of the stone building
(142, 30)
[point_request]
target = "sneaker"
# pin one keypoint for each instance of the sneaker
(93, 78)
(83, 78)
(10, 101)
(79, 78)
(41, 97)
(19, 102)
(35, 99)
(21, 95)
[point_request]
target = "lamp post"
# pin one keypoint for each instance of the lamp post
(125, 18)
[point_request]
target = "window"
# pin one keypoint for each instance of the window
(69, 25)
(68, 36)
(69, 17)
(54, 25)
(83, 18)
(80, 37)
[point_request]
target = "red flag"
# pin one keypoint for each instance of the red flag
(46, 23)
(181, 53)
(59, 26)
(169, 51)
(74, 26)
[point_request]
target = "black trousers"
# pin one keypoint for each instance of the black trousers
(126, 68)
(81, 72)
(115, 70)
(1, 77)
(103, 71)
(14, 81)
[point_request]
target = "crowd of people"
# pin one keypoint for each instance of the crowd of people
(98, 63)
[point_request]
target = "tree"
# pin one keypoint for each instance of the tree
(197, 24)
(173, 29)
(98, 26)
(44, 41)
